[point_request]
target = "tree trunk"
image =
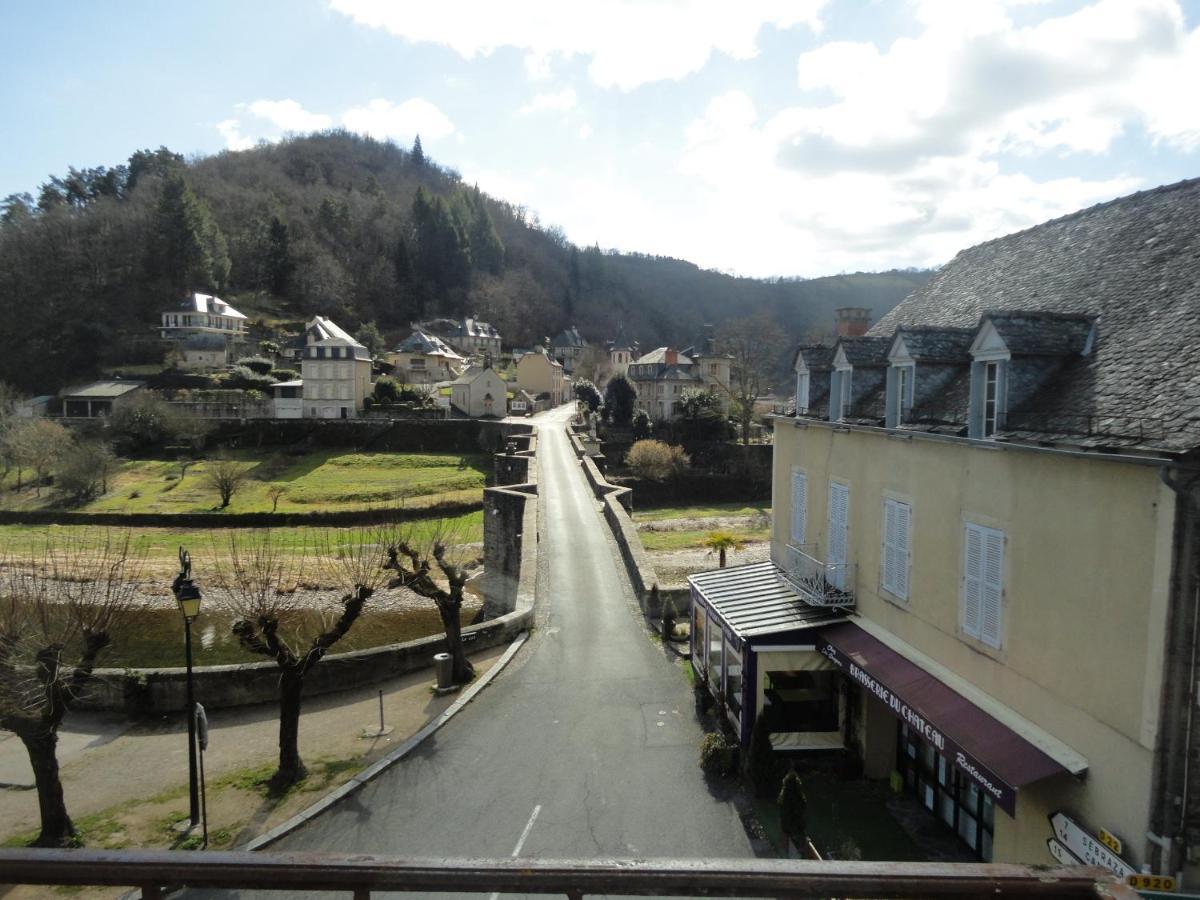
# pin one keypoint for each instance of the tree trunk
(41, 744)
(722, 552)
(462, 671)
(291, 767)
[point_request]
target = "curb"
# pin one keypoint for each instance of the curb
(381, 765)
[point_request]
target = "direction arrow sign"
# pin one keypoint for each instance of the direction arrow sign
(1062, 854)
(1086, 847)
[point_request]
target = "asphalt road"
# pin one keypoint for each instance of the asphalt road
(586, 746)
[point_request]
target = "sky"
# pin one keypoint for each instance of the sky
(758, 137)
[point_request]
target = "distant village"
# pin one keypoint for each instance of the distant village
(217, 366)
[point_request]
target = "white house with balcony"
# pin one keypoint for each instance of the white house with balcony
(203, 314)
(335, 371)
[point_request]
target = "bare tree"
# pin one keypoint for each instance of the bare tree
(754, 346)
(259, 581)
(275, 492)
(56, 616)
(39, 444)
(225, 476)
(412, 557)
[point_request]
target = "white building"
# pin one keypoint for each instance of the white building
(203, 314)
(287, 399)
(335, 370)
(480, 392)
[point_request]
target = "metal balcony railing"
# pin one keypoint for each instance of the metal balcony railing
(156, 872)
(818, 582)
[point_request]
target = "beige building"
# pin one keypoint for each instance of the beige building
(424, 358)
(662, 376)
(540, 375)
(480, 392)
(335, 371)
(984, 560)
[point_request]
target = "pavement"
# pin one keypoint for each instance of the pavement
(585, 746)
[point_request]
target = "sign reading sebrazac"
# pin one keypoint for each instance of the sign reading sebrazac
(1003, 794)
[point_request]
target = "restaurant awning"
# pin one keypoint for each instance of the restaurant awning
(756, 600)
(991, 753)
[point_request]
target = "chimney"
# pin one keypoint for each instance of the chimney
(852, 321)
(672, 357)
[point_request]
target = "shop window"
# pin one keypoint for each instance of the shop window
(800, 702)
(733, 683)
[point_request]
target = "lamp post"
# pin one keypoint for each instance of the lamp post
(187, 595)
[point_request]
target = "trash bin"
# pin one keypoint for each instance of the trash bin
(444, 666)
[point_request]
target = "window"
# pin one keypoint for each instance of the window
(839, 524)
(846, 391)
(896, 548)
(801, 391)
(733, 683)
(799, 507)
(983, 583)
(904, 391)
(991, 386)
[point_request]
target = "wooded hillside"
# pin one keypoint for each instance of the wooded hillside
(349, 227)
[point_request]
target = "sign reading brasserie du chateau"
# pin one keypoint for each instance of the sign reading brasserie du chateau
(1004, 794)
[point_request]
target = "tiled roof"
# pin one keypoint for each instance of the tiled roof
(1134, 265)
(660, 356)
(325, 332)
(1042, 333)
(949, 345)
(429, 344)
(865, 351)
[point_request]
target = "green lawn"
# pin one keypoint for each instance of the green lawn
(320, 480)
(714, 510)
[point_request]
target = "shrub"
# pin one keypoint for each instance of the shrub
(245, 379)
(84, 471)
(656, 461)
(259, 364)
(285, 374)
(718, 755)
(386, 390)
(619, 397)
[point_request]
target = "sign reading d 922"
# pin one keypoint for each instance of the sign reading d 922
(1089, 850)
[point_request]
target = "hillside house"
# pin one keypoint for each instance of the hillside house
(424, 358)
(468, 336)
(542, 376)
(662, 376)
(986, 543)
(99, 399)
(479, 392)
(203, 314)
(335, 371)
(568, 348)
(198, 352)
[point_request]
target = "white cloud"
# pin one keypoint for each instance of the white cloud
(289, 115)
(558, 101)
(234, 139)
(629, 42)
(399, 121)
(585, 131)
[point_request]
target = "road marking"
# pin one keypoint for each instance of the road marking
(521, 840)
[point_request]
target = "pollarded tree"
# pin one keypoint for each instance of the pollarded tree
(58, 612)
(412, 555)
(259, 581)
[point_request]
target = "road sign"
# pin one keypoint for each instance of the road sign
(1062, 854)
(1161, 883)
(1110, 840)
(1086, 847)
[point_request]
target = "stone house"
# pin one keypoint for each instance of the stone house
(479, 392)
(424, 358)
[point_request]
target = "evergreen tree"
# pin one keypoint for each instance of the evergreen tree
(418, 154)
(619, 397)
(487, 250)
(279, 256)
(189, 250)
(443, 257)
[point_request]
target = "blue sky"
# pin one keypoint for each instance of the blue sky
(764, 137)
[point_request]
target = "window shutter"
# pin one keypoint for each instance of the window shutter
(993, 587)
(839, 508)
(799, 506)
(903, 548)
(889, 546)
(896, 545)
(973, 580)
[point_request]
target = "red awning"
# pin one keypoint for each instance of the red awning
(990, 753)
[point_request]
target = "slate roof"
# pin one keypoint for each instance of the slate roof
(865, 351)
(659, 356)
(207, 303)
(429, 344)
(816, 356)
(938, 345)
(326, 333)
(1134, 265)
(474, 328)
(569, 337)
(1042, 333)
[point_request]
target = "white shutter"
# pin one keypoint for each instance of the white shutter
(896, 518)
(839, 509)
(993, 586)
(973, 580)
(799, 506)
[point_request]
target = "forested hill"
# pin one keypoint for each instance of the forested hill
(348, 227)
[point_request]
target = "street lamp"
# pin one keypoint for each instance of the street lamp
(187, 595)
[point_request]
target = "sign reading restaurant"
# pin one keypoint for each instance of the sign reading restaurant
(1004, 794)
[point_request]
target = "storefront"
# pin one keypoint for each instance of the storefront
(752, 642)
(959, 760)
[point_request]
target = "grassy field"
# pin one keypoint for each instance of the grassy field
(160, 546)
(319, 480)
(671, 528)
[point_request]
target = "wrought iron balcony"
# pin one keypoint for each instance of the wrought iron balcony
(818, 583)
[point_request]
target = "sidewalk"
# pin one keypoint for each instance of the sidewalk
(126, 782)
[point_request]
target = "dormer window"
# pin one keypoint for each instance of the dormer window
(990, 357)
(803, 387)
(991, 392)
(904, 392)
(901, 380)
